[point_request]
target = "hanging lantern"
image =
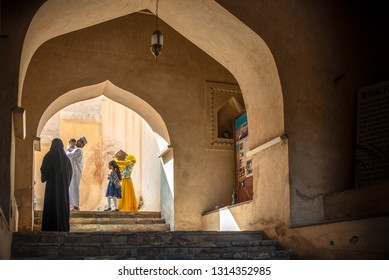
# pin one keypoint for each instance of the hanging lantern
(156, 43)
(156, 37)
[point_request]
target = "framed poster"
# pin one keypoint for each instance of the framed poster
(243, 163)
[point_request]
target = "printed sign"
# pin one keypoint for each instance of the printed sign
(244, 165)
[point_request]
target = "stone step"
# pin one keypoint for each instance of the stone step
(118, 227)
(96, 253)
(145, 245)
(106, 214)
(113, 221)
(86, 221)
(136, 238)
(119, 220)
(113, 227)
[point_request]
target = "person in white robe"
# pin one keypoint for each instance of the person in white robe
(77, 160)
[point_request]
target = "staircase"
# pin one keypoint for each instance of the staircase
(141, 236)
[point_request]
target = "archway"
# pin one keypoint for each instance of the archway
(115, 93)
(109, 127)
(209, 26)
(160, 134)
(222, 37)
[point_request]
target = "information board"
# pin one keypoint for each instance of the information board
(244, 164)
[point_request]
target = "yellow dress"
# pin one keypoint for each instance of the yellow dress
(128, 202)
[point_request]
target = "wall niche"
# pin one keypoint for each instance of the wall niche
(224, 104)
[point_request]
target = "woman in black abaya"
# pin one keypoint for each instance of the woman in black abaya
(56, 171)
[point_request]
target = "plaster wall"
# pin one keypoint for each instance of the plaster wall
(314, 43)
(14, 24)
(24, 182)
(167, 189)
(364, 239)
(270, 204)
(6, 238)
(150, 167)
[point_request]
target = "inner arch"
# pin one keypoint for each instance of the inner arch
(108, 89)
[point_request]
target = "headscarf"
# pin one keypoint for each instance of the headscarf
(83, 139)
(131, 158)
(56, 157)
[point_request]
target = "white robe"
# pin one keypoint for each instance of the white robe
(77, 161)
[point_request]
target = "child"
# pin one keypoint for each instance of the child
(72, 145)
(114, 189)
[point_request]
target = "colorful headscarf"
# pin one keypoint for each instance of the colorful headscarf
(131, 159)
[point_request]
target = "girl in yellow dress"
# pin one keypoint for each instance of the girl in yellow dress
(128, 201)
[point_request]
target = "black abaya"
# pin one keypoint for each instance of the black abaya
(56, 171)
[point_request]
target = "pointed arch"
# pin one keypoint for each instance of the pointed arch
(207, 25)
(220, 35)
(108, 89)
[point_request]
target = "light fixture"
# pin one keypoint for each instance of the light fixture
(156, 37)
